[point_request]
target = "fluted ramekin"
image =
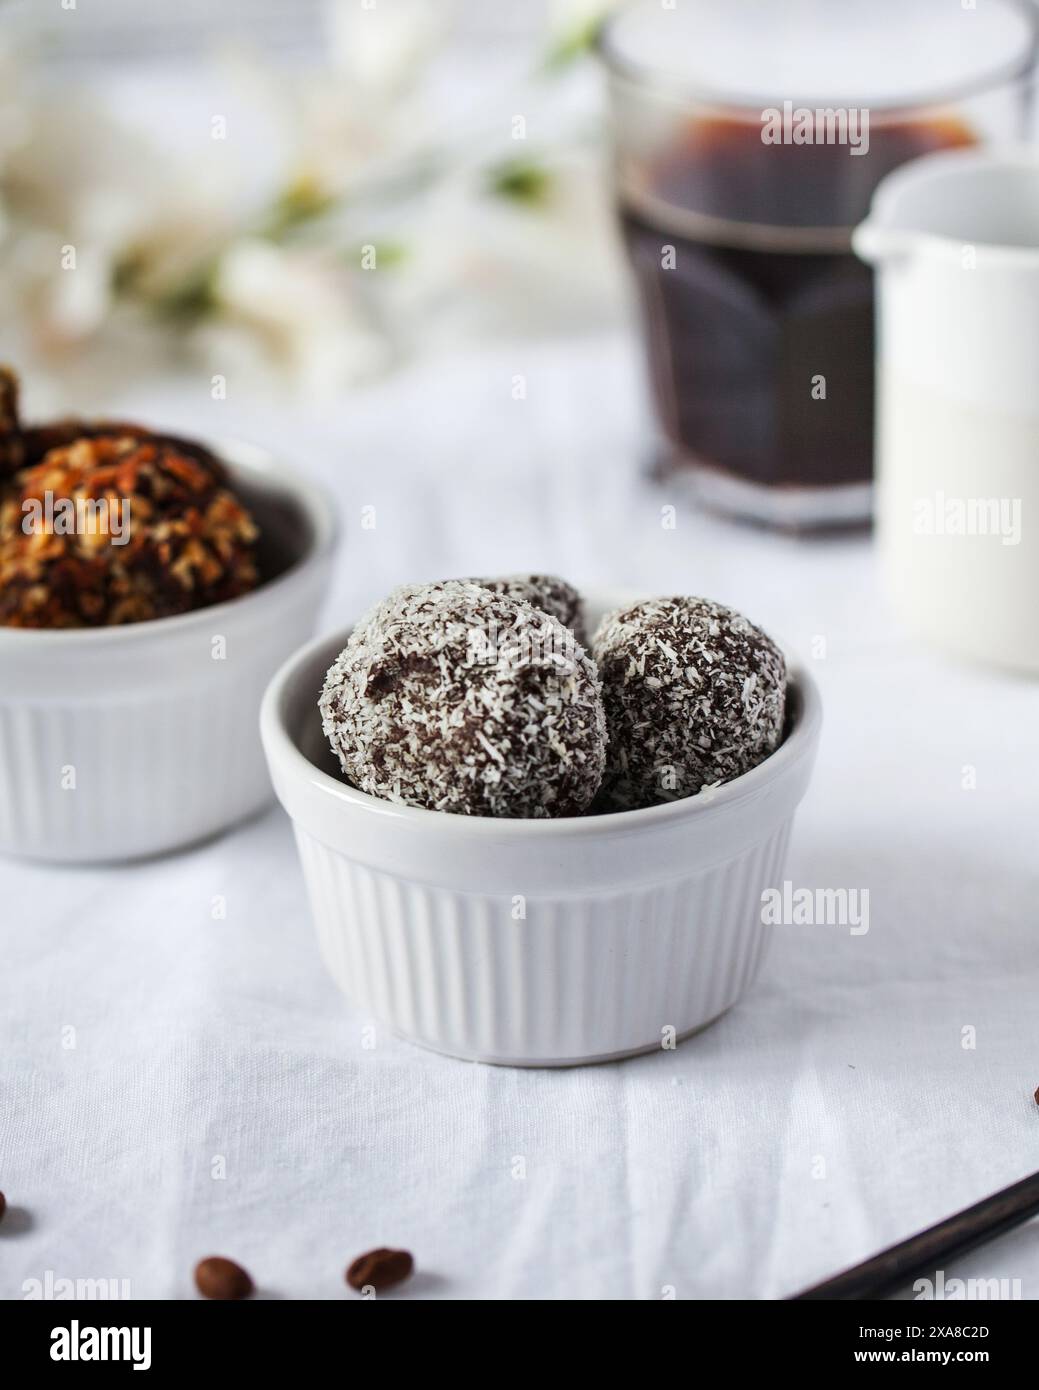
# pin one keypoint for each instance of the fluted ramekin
(128, 741)
(535, 942)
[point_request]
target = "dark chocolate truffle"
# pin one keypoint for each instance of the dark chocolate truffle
(111, 529)
(694, 695)
(12, 446)
(547, 592)
(453, 698)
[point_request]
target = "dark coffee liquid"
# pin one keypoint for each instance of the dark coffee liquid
(761, 335)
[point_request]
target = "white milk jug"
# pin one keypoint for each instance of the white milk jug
(955, 239)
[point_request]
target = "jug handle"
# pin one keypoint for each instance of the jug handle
(879, 245)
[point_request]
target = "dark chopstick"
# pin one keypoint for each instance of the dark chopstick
(893, 1268)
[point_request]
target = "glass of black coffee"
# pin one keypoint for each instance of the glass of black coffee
(748, 137)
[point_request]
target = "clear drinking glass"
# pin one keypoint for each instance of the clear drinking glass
(748, 136)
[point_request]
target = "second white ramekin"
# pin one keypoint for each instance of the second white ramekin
(127, 741)
(535, 943)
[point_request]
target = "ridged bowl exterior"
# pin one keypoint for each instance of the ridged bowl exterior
(535, 943)
(578, 979)
(124, 742)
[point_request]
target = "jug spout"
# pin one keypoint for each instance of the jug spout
(877, 244)
(981, 198)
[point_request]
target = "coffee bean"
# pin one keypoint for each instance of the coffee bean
(3, 1205)
(220, 1278)
(1037, 1095)
(380, 1269)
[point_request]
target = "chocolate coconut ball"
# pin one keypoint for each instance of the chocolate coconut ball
(547, 592)
(694, 695)
(110, 529)
(454, 698)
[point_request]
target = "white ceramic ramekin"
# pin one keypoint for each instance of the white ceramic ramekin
(526, 942)
(128, 741)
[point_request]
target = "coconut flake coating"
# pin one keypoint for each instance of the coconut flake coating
(547, 592)
(695, 695)
(453, 698)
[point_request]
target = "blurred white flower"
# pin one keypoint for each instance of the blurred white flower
(383, 48)
(304, 311)
(245, 249)
(75, 303)
(91, 211)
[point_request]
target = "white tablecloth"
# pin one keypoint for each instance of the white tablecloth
(219, 1097)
